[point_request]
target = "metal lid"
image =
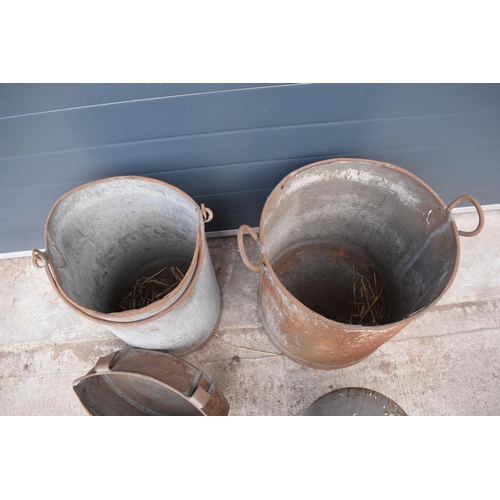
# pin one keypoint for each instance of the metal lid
(353, 401)
(146, 382)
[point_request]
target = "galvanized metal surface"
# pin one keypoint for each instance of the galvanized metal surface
(327, 221)
(187, 324)
(104, 235)
(142, 382)
(354, 401)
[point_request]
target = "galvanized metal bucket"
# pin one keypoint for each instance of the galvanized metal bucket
(338, 226)
(102, 236)
(140, 382)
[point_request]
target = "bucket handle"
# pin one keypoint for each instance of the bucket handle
(39, 259)
(241, 231)
(103, 364)
(202, 393)
(206, 213)
(467, 197)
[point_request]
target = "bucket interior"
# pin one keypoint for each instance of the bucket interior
(126, 394)
(354, 242)
(106, 235)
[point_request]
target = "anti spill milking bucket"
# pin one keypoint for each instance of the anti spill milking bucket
(142, 382)
(103, 236)
(351, 251)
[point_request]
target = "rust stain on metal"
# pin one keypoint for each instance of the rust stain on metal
(312, 339)
(145, 382)
(330, 217)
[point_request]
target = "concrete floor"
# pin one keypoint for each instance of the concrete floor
(445, 363)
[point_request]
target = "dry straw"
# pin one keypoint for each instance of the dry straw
(368, 301)
(147, 290)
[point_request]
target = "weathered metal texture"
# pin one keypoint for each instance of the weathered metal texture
(354, 401)
(331, 220)
(142, 382)
(186, 325)
(104, 235)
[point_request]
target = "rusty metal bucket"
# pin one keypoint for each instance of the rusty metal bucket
(339, 232)
(102, 236)
(139, 382)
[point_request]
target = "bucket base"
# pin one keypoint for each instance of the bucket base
(150, 282)
(336, 281)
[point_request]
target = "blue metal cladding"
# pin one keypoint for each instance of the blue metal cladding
(228, 145)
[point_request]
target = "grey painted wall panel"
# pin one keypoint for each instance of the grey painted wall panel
(21, 229)
(253, 145)
(220, 112)
(228, 145)
(28, 98)
(12, 203)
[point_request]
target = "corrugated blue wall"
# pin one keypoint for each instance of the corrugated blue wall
(228, 145)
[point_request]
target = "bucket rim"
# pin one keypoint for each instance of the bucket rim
(362, 392)
(185, 297)
(267, 267)
(129, 317)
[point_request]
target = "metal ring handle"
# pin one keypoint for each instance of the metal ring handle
(207, 214)
(241, 231)
(467, 197)
(39, 259)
